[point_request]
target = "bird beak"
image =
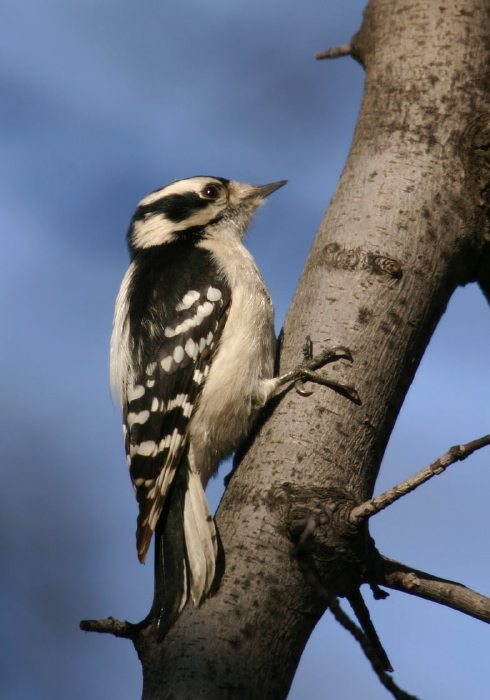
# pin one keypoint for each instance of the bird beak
(266, 190)
(254, 195)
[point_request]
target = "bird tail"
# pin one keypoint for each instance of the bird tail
(185, 549)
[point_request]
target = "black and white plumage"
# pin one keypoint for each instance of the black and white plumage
(192, 359)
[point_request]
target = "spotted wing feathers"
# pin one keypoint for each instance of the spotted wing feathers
(164, 396)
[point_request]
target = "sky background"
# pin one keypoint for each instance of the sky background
(102, 102)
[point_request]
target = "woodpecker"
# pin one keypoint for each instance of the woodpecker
(192, 361)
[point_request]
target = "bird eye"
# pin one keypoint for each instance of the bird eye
(210, 192)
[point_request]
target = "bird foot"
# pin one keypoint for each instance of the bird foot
(306, 371)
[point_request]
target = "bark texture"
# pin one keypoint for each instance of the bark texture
(407, 225)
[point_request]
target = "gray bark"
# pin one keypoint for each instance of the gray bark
(407, 225)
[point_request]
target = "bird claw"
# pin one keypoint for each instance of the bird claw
(337, 352)
(306, 370)
(299, 388)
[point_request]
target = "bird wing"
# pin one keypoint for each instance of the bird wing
(175, 357)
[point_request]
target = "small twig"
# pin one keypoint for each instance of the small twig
(111, 626)
(364, 618)
(336, 52)
(454, 454)
(388, 682)
(306, 563)
(452, 594)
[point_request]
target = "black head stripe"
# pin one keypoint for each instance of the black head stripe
(194, 234)
(175, 207)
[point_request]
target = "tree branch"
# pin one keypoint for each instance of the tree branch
(361, 611)
(454, 454)
(336, 52)
(368, 637)
(454, 595)
(388, 682)
(126, 630)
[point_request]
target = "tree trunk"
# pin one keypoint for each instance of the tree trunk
(407, 225)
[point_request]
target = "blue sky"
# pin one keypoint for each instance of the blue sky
(102, 102)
